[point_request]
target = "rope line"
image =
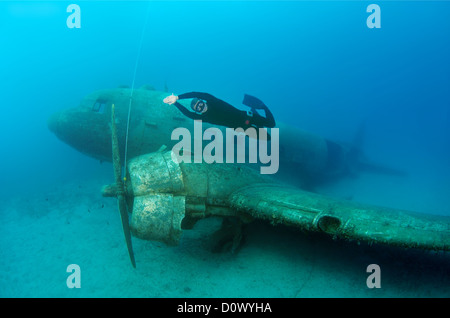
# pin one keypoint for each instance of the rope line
(132, 90)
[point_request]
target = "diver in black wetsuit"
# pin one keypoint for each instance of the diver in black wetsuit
(215, 111)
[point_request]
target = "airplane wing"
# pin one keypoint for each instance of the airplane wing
(343, 219)
(168, 197)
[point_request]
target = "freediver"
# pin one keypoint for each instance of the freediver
(218, 112)
(215, 111)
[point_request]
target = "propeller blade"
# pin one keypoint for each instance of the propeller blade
(126, 227)
(120, 187)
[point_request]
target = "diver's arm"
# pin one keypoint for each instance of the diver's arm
(204, 96)
(186, 112)
(171, 99)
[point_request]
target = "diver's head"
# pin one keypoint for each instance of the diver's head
(199, 105)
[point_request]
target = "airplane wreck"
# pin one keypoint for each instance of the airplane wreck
(166, 197)
(87, 128)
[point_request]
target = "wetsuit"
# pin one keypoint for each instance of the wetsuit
(221, 113)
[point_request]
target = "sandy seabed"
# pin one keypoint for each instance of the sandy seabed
(71, 223)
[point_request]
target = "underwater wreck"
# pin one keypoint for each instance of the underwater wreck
(165, 197)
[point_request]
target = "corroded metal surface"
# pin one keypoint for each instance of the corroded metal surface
(154, 173)
(166, 192)
(158, 217)
(343, 219)
(157, 209)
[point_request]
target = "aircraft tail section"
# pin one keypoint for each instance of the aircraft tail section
(381, 169)
(359, 161)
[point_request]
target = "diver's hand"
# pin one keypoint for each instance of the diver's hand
(171, 99)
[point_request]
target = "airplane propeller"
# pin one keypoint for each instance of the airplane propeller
(120, 187)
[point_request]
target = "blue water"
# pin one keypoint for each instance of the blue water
(316, 64)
